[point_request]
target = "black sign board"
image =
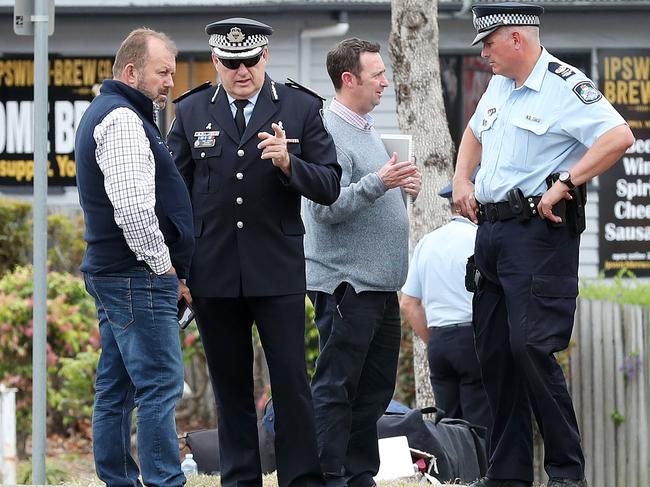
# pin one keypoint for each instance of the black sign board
(624, 195)
(72, 85)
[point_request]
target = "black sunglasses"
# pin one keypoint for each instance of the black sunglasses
(234, 63)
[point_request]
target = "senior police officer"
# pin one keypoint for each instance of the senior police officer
(248, 149)
(540, 132)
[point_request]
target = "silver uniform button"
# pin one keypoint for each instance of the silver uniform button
(202, 154)
(239, 200)
(240, 224)
(240, 152)
(239, 176)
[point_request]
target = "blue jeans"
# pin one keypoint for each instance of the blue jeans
(141, 366)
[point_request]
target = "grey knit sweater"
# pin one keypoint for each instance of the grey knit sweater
(363, 237)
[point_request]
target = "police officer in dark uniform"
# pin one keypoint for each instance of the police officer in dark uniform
(540, 132)
(248, 149)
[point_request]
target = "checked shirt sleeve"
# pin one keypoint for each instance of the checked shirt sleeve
(125, 158)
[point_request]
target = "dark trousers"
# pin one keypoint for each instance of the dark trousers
(225, 325)
(517, 331)
(354, 379)
(456, 375)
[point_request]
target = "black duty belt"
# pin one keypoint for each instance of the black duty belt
(493, 212)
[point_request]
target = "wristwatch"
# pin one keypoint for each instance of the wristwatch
(565, 177)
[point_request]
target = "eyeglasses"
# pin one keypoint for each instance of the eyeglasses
(234, 63)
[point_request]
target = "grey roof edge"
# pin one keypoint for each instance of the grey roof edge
(81, 7)
(563, 5)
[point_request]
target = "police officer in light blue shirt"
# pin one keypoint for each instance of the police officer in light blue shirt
(439, 309)
(543, 126)
(540, 132)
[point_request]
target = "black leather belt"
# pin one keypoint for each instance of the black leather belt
(494, 212)
(453, 325)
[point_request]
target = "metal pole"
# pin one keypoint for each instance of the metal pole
(39, 434)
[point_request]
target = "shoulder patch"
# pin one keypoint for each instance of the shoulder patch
(293, 84)
(191, 91)
(561, 70)
(587, 92)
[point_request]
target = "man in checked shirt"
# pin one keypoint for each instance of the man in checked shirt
(140, 242)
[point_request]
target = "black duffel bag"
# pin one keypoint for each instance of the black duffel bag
(205, 445)
(205, 449)
(458, 446)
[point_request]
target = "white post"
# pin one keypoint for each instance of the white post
(8, 434)
(39, 340)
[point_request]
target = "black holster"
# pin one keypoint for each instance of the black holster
(575, 214)
(519, 205)
(571, 211)
(472, 275)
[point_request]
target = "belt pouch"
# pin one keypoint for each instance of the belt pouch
(518, 205)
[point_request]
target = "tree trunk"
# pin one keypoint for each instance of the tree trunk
(413, 50)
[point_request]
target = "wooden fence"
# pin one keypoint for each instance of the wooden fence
(608, 372)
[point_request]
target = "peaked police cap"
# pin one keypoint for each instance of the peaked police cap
(489, 17)
(238, 38)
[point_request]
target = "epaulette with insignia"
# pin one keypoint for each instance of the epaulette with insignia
(191, 91)
(293, 84)
(561, 70)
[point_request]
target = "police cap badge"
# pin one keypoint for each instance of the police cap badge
(489, 17)
(238, 38)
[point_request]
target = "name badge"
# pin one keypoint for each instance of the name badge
(206, 138)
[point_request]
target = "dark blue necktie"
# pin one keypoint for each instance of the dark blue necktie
(240, 120)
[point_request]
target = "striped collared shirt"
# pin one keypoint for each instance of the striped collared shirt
(364, 122)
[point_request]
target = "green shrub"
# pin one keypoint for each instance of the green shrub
(66, 245)
(65, 238)
(405, 384)
(71, 330)
(73, 398)
(624, 288)
(15, 234)
(191, 342)
(311, 339)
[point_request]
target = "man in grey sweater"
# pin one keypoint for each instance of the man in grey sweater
(357, 258)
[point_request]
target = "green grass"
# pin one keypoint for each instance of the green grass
(269, 481)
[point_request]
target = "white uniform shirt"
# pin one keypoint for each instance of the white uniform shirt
(544, 126)
(437, 273)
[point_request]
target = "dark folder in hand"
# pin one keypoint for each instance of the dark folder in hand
(185, 314)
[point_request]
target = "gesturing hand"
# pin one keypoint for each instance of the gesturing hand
(413, 184)
(395, 174)
(274, 147)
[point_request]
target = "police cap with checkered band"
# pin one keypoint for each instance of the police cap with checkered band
(238, 38)
(489, 17)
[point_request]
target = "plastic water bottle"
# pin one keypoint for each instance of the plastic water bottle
(189, 466)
